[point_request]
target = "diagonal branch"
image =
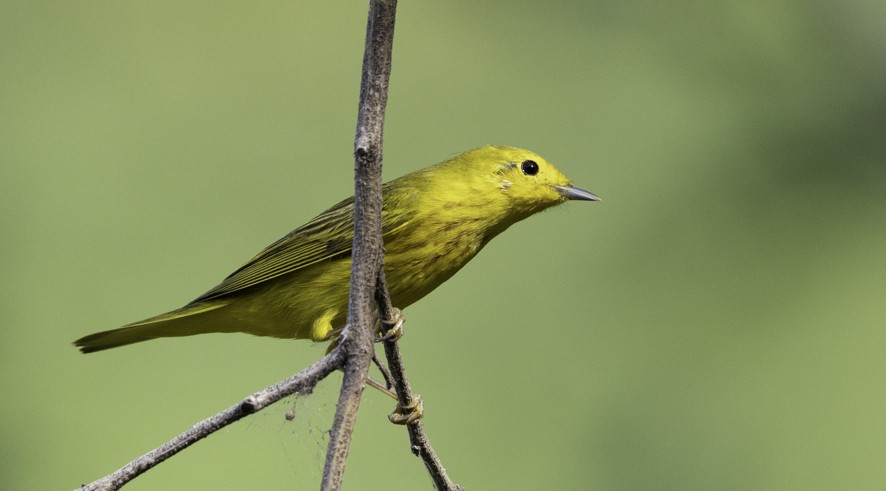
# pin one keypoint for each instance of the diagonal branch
(302, 382)
(418, 439)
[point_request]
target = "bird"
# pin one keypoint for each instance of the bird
(434, 220)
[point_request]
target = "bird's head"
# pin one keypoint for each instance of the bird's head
(526, 181)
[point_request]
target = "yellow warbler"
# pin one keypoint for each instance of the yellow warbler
(434, 221)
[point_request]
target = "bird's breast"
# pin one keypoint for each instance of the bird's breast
(421, 259)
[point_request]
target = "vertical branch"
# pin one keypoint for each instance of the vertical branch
(367, 252)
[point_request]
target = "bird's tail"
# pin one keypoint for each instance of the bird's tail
(186, 321)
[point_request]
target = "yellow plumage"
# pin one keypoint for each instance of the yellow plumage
(434, 221)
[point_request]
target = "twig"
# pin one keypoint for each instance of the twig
(302, 382)
(367, 251)
(418, 439)
(385, 373)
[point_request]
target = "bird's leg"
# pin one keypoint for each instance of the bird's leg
(392, 330)
(333, 333)
(375, 384)
(389, 380)
(385, 388)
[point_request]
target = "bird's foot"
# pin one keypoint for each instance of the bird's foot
(409, 413)
(392, 329)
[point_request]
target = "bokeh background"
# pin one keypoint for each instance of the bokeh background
(717, 322)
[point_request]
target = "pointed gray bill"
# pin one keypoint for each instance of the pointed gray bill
(573, 192)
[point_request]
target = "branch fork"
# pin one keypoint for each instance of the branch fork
(355, 350)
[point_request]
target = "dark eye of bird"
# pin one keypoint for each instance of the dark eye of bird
(530, 168)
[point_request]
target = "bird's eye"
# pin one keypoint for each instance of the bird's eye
(530, 168)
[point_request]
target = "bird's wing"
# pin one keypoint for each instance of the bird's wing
(327, 236)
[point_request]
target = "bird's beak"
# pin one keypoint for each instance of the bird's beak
(573, 192)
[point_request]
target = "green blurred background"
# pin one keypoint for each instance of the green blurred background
(717, 322)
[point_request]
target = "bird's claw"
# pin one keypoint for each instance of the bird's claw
(409, 413)
(392, 329)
